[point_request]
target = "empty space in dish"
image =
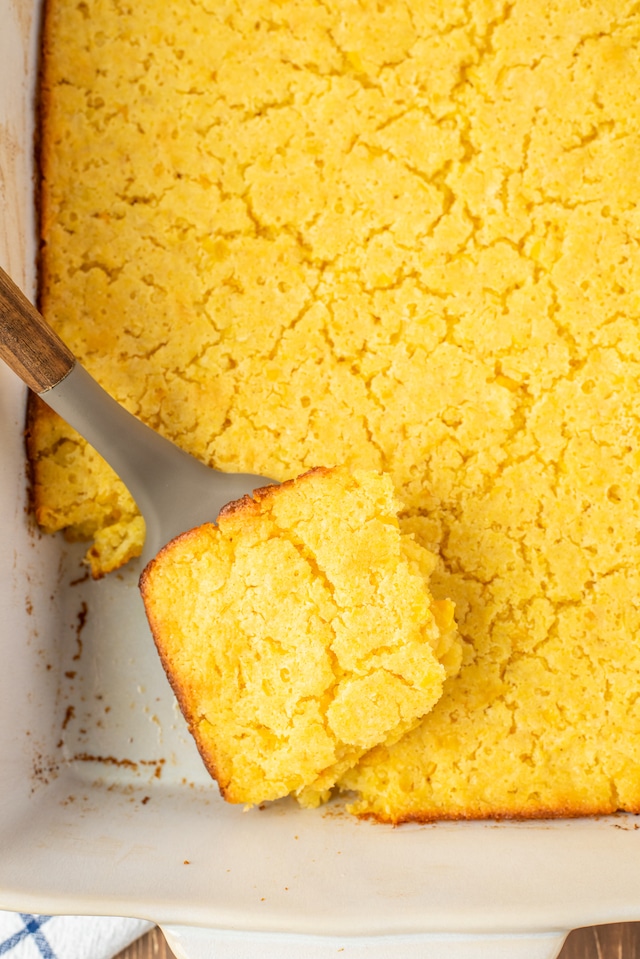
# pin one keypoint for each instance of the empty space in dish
(119, 719)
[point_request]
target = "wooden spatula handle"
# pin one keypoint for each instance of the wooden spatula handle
(27, 343)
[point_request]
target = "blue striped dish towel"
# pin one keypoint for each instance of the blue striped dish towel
(27, 936)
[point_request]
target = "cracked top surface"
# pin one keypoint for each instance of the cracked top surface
(399, 236)
(300, 632)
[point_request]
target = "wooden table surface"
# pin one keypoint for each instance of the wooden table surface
(618, 941)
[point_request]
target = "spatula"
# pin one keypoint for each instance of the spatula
(173, 490)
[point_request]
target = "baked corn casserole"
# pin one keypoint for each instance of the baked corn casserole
(299, 632)
(400, 237)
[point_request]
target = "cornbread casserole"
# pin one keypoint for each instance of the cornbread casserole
(299, 632)
(399, 237)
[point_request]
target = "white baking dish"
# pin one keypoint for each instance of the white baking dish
(105, 807)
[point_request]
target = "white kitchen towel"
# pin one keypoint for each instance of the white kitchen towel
(27, 936)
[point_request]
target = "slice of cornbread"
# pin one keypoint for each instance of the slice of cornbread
(299, 632)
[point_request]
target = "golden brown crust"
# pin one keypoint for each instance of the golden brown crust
(472, 815)
(250, 504)
(35, 407)
(521, 814)
(30, 420)
(177, 687)
(37, 414)
(43, 145)
(37, 411)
